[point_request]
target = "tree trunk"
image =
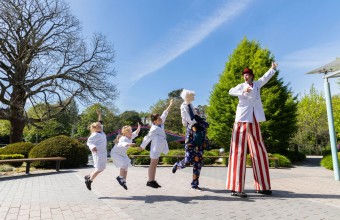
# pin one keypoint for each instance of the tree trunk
(17, 130)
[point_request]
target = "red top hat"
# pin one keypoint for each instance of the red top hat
(248, 70)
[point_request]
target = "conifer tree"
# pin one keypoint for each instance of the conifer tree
(279, 104)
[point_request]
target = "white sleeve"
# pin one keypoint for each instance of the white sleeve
(147, 138)
(266, 77)
(186, 116)
(163, 116)
(91, 141)
(134, 135)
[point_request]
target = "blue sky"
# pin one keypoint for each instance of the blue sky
(164, 45)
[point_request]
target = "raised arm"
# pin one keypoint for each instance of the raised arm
(168, 108)
(99, 113)
(136, 132)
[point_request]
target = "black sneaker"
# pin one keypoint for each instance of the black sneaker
(264, 192)
(174, 168)
(239, 194)
(152, 184)
(121, 182)
(88, 182)
(155, 182)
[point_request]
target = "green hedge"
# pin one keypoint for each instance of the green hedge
(210, 161)
(295, 156)
(170, 160)
(76, 153)
(283, 161)
(18, 148)
(12, 156)
(175, 145)
(327, 161)
(140, 160)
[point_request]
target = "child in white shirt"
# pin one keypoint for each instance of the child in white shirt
(158, 145)
(97, 144)
(118, 152)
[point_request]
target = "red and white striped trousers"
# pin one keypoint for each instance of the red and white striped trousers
(247, 133)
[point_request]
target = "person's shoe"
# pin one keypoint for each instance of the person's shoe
(152, 184)
(197, 188)
(174, 168)
(158, 186)
(121, 182)
(88, 182)
(239, 194)
(264, 192)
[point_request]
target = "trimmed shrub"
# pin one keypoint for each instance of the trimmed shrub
(175, 145)
(327, 161)
(76, 153)
(18, 148)
(283, 161)
(326, 151)
(137, 151)
(210, 161)
(170, 160)
(12, 156)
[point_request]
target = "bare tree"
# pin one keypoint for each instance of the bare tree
(45, 59)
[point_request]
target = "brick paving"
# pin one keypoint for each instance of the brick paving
(303, 192)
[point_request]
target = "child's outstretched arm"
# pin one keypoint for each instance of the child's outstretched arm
(99, 113)
(168, 108)
(136, 132)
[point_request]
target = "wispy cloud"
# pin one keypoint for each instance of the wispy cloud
(311, 58)
(183, 38)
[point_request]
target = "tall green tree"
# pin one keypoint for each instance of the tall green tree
(279, 104)
(312, 134)
(110, 119)
(173, 121)
(130, 118)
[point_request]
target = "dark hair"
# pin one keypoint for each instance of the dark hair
(248, 70)
(154, 117)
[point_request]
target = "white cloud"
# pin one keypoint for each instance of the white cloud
(311, 58)
(182, 39)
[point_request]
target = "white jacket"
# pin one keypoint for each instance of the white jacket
(157, 136)
(98, 140)
(186, 120)
(122, 145)
(250, 103)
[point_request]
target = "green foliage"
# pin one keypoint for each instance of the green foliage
(169, 160)
(110, 120)
(175, 145)
(130, 118)
(18, 148)
(283, 161)
(327, 161)
(140, 160)
(63, 124)
(173, 121)
(278, 101)
(312, 134)
(76, 153)
(5, 127)
(210, 161)
(326, 151)
(336, 113)
(12, 156)
(295, 156)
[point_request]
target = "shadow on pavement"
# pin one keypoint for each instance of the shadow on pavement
(32, 175)
(181, 199)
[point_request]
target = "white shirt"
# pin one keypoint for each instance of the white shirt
(157, 136)
(98, 140)
(186, 120)
(122, 145)
(250, 102)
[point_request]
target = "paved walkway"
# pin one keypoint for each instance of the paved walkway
(303, 192)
